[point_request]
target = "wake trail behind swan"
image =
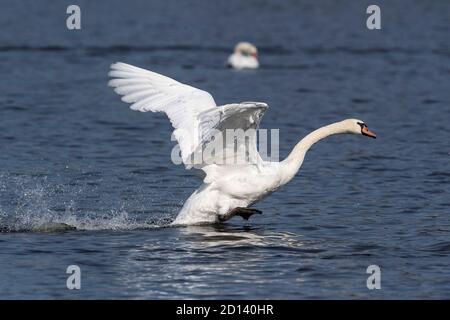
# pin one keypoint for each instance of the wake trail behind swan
(34, 204)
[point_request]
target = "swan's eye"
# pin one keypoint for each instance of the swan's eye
(362, 124)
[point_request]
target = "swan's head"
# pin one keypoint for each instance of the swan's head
(246, 49)
(356, 126)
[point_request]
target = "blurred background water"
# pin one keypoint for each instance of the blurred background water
(71, 152)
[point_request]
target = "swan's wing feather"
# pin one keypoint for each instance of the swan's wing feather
(149, 91)
(215, 122)
(194, 116)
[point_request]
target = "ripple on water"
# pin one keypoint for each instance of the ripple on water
(439, 248)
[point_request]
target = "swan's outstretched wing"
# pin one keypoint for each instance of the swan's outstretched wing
(150, 91)
(194, 115)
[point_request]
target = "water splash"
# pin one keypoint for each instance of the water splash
(33, 203)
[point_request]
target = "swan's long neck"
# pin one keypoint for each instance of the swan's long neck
(293, 162)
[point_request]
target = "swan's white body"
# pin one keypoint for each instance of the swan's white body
(194, 114)
(232, 187)
(245, 56)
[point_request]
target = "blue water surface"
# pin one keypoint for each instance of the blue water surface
(72, 152)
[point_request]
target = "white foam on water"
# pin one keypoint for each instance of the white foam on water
(34, 202)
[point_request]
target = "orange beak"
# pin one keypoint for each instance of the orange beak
(255, 55)
(365, 131)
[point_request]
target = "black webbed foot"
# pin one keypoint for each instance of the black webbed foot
(245, 213)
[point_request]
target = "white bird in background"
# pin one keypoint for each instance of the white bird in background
(227, 189)
(245, 56)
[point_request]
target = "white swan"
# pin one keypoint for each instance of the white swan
(245, 56)
(228, 189)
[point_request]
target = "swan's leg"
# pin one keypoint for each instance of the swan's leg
(245, 213)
